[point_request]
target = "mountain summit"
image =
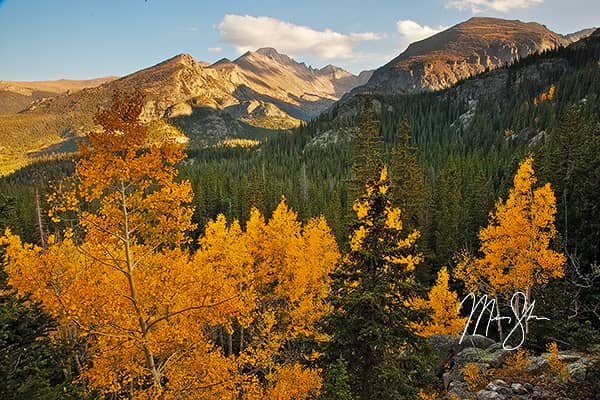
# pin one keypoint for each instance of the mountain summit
(265, 78)
(464, 50)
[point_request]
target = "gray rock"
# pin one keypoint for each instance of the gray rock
(447, 347)
(446, 379)
(499, 386)
(495, 346)
(459, 390)
(489, 395)
(499, 382)
(517, 388)
(505, 391)
(478, 341)
(528, 386)
(578, 369)
(568, 357)
(484, 356)
(538, 365)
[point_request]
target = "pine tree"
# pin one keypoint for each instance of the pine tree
(367, 149)
(336, 384)
(371, 322)
(445, 232)
(408, 183)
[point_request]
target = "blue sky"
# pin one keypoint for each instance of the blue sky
(79, 39)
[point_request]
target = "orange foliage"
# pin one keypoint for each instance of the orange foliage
(153, 319)
(557, 366)
(516, 243)
(445, 319)
(473, 376)
(545, 96)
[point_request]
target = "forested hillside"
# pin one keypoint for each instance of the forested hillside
(245, 291)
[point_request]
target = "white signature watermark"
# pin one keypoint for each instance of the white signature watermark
(521, 309)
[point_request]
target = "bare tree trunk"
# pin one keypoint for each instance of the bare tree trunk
(527, 299)
(39, 226)
(148, 355)
(241, 339)
(229, 344)
(498, 321)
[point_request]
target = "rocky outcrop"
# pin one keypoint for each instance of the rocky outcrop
(499, 378)
(462, 51)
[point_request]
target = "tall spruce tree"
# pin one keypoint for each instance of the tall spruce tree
(367, 149)
(370, 325)
(408, 183)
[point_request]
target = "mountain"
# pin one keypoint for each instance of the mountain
(262, 88)
(266, 79)
(512, 99)
(462, 51)
(16, 96)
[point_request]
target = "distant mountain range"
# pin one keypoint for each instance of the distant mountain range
(254, 87)
(263, 88)
(16, 96)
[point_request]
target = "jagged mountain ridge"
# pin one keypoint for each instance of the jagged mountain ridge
(273, 80)
(262, 88)
(462, 51)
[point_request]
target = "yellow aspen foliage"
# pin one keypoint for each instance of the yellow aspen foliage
(519, 360)
(545, 96)
(444, 303)
(150, 319)
(423, 395)
(473, 376)
(516, 243)
(551, 92)
(293, 382)
(284, 283)
(557, 366)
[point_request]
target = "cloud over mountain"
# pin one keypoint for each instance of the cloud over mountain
(412, 31)
(247, 32)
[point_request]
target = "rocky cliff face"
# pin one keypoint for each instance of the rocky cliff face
(462, 51)
(258, 84)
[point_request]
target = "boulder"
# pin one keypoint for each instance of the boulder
(447, 347)
(500, 387)
(538, 365)
(578, 369)
(489, 395)
(519, 389)
(493, 358)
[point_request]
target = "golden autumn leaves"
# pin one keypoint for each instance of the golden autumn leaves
(515, 246)
(151, 318)
(516, 254)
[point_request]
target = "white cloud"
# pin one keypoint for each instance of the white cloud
(247, 32)
(412, 31)
(215, 49)
(478, 6)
